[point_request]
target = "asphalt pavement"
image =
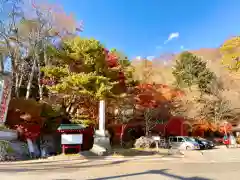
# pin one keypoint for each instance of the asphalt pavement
(213, 164)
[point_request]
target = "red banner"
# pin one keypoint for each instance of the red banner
(6, 94)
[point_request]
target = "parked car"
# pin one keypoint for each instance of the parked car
(206, 144)
(202, 145)
(183, 142)
(218, 141)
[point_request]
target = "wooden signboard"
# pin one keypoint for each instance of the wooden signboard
(71, 139)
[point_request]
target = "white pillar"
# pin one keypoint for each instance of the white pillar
(101, 139)
(102, 116)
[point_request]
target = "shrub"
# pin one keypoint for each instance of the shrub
(52, 115)
(5, 149)
(144, 142)
(238, 140)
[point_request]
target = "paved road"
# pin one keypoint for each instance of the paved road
(215, 165)
(135, 170)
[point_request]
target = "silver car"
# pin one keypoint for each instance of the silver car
(183, 142)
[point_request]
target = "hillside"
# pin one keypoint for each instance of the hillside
(161, 69)
(210, 54)
(158, 71)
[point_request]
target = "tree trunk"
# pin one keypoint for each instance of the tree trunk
(45, 57)
(147, 130)
(2, 65)
(20, 82)
(16, 90)
(40, 87)
(29, 85)
(147, 123)
(122, 135)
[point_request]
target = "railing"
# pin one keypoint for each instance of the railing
(164, 143)
(160, 142)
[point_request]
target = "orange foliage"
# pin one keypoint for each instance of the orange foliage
(151, 95)
(204, 126)
(25, 116)
(225, 127)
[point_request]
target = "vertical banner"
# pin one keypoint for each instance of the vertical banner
(5, 97)
(1, 93)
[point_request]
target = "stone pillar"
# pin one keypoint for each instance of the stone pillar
(101, 138)
(102, 118)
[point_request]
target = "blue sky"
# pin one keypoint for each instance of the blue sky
(140, 27)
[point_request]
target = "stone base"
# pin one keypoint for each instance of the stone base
(8, 135)
(101, 144)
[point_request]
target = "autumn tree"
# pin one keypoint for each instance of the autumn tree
(153, 104)
(126, 67)
(230, 51)
(84, 73)
(207, 110)
(143, 70)
(218, 109)
(11, 15)
(190, 70)
(38, 29)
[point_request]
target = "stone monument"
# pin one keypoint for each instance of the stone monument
(101, 144)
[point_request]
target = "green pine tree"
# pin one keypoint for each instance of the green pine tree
(191, 70)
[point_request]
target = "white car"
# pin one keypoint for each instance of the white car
(183, 143)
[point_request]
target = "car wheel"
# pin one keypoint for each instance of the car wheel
(188, 148)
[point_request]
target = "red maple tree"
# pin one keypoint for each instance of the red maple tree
(112, 62)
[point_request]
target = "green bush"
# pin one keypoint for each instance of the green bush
(85, 122)
(5, 146)
(52, 115)
(3, 127)
(83, 119)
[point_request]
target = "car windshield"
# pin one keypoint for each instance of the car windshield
(202, 139)
(190, 139)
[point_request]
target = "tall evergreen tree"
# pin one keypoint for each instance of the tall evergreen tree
(191, 70)
(84, 71)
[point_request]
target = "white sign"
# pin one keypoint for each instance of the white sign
(72, 139)
(156, 138)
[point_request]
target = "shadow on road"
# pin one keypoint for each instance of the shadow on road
(64, 179)
(130, 152)
(36, 163)
(53, 167)
(159, 172)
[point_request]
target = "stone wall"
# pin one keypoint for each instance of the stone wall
(8, 135)
(13, 150)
